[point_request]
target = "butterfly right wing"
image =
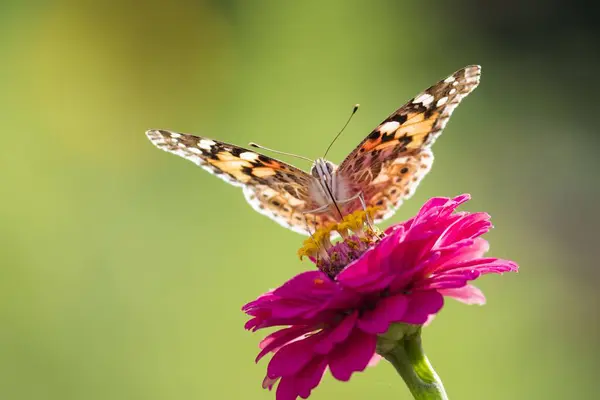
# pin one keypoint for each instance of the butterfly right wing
(273, 188)
(388, 165)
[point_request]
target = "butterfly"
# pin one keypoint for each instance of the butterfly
(381, 172)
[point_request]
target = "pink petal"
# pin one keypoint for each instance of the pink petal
(438, 209)
(291, 358)
(330, 337)
(374, 360)
(269, 320)
(286, 390)
(466, 294)
(421, 306)
(443, 202)
(365, 275)
(402, 225)
(473, 249)
(268, 383)
(461, 198)
(352, 355)
(429, 320)
(483, 265)
(262, 299)
(310, 376)
(387, 310)
(307, 285)
(468, 226)
(446, 281)
(280, 338)
(282, 333)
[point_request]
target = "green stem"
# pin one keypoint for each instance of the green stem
(408, 358)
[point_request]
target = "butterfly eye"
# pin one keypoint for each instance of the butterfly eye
(314, 172)
(329, 167)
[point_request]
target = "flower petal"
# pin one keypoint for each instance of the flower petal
(449, 281)
(310, 376)
(365, 275)
(468, 226)
(466, 250)
(291, 358)
(421, 306)
(286, 390)
(304, 299)
(467, 294)
(281, 337)
(374, 360)
(388, 310)
(482, 265)
(307, 285)
(268, 383)
(352, 355)
(330, 337)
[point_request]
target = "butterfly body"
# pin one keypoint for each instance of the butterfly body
(328, 188)
(382, 171)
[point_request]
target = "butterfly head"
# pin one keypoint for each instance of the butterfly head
(322, 170)
(330, 189)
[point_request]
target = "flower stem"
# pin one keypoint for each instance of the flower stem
(408, 358)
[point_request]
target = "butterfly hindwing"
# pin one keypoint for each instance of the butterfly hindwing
(388, 165)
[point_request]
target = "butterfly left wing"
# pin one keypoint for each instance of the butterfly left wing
(272, 187)
(389, 164)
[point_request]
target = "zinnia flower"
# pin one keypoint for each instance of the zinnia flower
(337, 316)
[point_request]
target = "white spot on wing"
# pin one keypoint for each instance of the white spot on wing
(441, 101)
(449, 79)
(206, 144)
(389, 127)
(424, 98)
(249, 156)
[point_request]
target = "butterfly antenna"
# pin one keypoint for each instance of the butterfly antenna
(354, 110)
(258, 146)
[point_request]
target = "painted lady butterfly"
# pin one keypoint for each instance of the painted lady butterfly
(382, 171)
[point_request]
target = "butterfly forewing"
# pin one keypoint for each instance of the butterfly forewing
(272, 187)
(389, 164)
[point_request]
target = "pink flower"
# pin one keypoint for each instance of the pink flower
(365, 283)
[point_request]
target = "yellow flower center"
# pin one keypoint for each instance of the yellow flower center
(357, 234)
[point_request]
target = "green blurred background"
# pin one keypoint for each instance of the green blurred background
(124, 268)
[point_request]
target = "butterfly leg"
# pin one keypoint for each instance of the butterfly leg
(328, 205)
(317, 210)
(364, 205)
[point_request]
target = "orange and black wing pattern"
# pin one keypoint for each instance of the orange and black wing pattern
(272, 187)
(389, 164)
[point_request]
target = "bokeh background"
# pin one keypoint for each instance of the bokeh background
(124, 268)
